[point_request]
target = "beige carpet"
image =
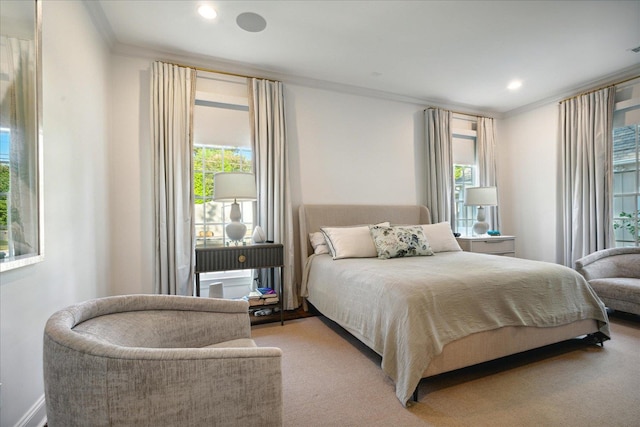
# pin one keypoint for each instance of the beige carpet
(331, 379)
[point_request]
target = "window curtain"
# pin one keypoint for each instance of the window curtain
(272, 175)
(439, 163)
(18, 115)
(172, 102)
(586, 127)
(486, 152)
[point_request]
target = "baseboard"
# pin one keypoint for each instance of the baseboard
(36, 416)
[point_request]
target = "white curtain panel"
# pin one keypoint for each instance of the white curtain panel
(172, 102)
(439, 163)
(18, 113)
(486, 149)
(272, 176)
(586, 127)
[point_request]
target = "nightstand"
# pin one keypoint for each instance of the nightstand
(494, 245)
(225, 258)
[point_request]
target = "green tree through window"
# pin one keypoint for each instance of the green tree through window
(211, 216)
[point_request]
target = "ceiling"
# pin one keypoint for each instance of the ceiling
(449, 53)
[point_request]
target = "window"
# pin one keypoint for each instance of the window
(465, 171)
(465, 215)
(5, 138)
(222, 143)
(211, 217)
(626, 187)
(626, 170)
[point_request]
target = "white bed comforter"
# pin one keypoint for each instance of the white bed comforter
(408, 309)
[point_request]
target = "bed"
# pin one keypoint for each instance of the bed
(434, 313)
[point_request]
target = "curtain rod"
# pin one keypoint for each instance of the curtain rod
(600, 88)
(209, 70)
(459, 112)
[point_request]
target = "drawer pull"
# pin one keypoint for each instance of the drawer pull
(242, 258)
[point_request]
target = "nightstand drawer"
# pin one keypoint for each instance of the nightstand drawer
(494, 246)
(239, 258)
(502, 245)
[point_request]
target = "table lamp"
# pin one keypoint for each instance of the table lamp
(234, 187)
(481, 197)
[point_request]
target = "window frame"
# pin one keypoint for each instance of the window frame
(464, 128)
(626, 223)
(221, 92)
(626, 215)
(465, 215)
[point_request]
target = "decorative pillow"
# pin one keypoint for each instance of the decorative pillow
(440, 237)
(350, 242)
(318, 243)
(400, 241)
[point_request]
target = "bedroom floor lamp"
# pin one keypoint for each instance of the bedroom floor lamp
(481, 197)
(234, 187)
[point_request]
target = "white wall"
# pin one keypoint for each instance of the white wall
(77, 235)
(353, 149)
(131, 194)
(528, 176)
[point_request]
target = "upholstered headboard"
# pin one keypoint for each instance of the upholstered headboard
(312, 217)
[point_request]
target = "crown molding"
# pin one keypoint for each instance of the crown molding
(225, 66)
(101, 22)
(607, 80)
(231, 67)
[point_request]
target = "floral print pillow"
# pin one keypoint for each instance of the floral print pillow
(399, 241)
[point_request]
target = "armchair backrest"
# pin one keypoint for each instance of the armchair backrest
(152, 321)
(608, 263)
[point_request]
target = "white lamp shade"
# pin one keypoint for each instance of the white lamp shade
(481, 196)
(234, 186)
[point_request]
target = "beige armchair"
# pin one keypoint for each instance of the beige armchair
(159, 360)
(614, 274)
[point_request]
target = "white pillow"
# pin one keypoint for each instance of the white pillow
(318, 243)
(351, 242)
(440, 237)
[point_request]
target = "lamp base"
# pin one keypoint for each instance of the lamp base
(480, 228)
(235, 229)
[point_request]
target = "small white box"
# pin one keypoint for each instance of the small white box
(216, 290)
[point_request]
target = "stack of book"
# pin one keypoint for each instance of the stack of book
(262, 296)
(268, 295)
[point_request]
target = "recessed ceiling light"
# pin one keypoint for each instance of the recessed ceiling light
(515, 84)
(251, 22)
(207, 12)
